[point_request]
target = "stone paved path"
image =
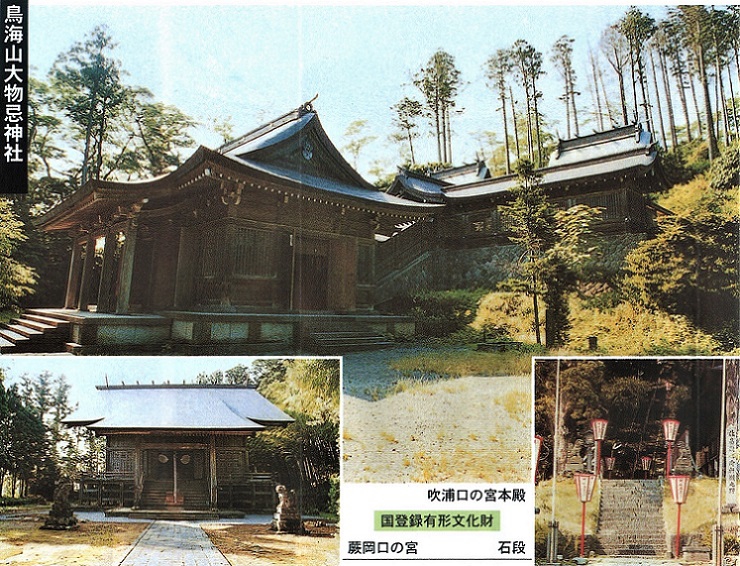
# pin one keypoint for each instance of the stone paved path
(167, 543)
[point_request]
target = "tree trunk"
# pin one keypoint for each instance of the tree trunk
(669, 100)
(734, 105)
(573, 103)
(537, 124)
(530, 135)
(597, 99)
(437, 128)
(411, 145)
(722, 98)
(644, 91)
(101, 136)
(516, 129)
(506, 132)
(443, 120)
(449, 134)
(606, 98)
(623, 97)
(696, 106)
(634, 85)
(657, 100)
(680, 76)
(711, 137)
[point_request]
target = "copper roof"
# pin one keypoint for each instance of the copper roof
(183, 408)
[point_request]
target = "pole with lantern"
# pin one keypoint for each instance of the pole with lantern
(679, 492)
(645, 463)
(598, 426)
(585, 489)
(670, 431)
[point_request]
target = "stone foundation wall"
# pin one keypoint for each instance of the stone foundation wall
(486, 267)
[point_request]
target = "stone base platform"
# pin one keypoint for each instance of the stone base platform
(172, 514)
(206, 333)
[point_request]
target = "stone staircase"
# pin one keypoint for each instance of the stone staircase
(341, 337)
(631, 518)
(195, 496)
(34, 331)
(340, 341)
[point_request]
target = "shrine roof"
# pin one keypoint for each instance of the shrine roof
(293, 148)
(296, 148)
(621, 151)
(418, 187)
(187, 407)
(468, 173)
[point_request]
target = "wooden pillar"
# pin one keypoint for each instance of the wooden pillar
(106, 299)
(138, 473)
(214, 482)
(87, 270)
(187, 254)
(227, 265)
(73, 279)
(126, 271)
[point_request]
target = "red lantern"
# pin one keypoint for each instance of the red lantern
(585, 489)
(598, 426)
(679, 492)
(670, 431)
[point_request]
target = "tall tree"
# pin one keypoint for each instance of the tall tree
(88, 82)
(615, 48)
(528, 63)
(16, 279)
(356, 139)
(531, 219)
(660, 44)
(439, 81)
(637, 28)
(562, 56)
(406, 113)
(694, 25)
(498, 69)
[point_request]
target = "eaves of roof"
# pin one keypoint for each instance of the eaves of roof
(551, 176)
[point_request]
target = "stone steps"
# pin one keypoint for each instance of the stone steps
(344, 340)
(631, 518)
(34, 333)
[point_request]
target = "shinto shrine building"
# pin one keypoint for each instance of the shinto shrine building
(273, 242)
(190, 456)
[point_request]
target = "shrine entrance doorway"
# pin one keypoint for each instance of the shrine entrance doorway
(175, 478)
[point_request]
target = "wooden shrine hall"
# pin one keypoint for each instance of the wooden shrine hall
(274, 243)
(190, 457)
(264, 242)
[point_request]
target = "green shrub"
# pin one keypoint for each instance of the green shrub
(440, 313)
(505, 314)
(725, 170)
(630, 330)
(21, 501)
(332, 506)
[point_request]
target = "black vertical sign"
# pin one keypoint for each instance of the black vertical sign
(14, 168)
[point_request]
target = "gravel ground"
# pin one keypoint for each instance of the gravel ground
(367, 373)
(471, 429)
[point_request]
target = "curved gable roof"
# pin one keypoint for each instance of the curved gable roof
(296, 142)
(188, 407)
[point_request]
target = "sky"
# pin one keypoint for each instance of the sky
(83, 373)
(252, 63)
